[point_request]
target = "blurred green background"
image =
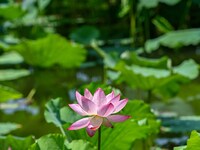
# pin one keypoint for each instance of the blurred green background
(148, 49)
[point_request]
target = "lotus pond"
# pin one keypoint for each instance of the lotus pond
(99, 75)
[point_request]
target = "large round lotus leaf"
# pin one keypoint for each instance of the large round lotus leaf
(51, 50)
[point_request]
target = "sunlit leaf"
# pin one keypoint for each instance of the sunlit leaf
(11, 58)
(141, 77)
(8, 40)
(15, 143)
(12, 74)
(125, 7)
(164, 83)
(110, 60)
(67, 115)
(57, 114)
(3, 45)
(50, 142)
(154, 3)
(193, 142)
(141, 125)
(169, 2)
(113, 75)
(5, 128)
(148, 72)
(148, 4)
(59, 142)
(7, 93)
(10, 11)
(133, 58)
(175, 39)
(180, 148)
(51, 50)
(80, 145)
(52, 112)
(188, 68)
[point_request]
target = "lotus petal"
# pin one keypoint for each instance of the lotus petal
(77, 108)
(117, 118)
(110, 96)
(121, 105)
(115, 101)
(95, 123)
(99, 97)
(106, 110)
(107, 123)
(89, 106)
(79, 98)
(90, 132)
(87, 94)
(82, 123)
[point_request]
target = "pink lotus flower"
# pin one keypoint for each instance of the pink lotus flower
(99, 109)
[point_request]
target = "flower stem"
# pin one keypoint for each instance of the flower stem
(65, 134)
(99, 138)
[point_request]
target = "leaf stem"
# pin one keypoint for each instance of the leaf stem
(133, 27)
(99, 138)
(65, 134)
(149, 95)
(98, 49)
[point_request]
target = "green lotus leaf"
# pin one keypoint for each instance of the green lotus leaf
(51, 50)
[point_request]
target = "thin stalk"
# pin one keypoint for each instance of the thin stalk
(149, 95)
(65, 134)
(98, 49)
(146, 30)
(143, 144)
(133, 21)
(29, 98)
(104, 75)
(99, 138)
(102, 54)
(146, 23)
